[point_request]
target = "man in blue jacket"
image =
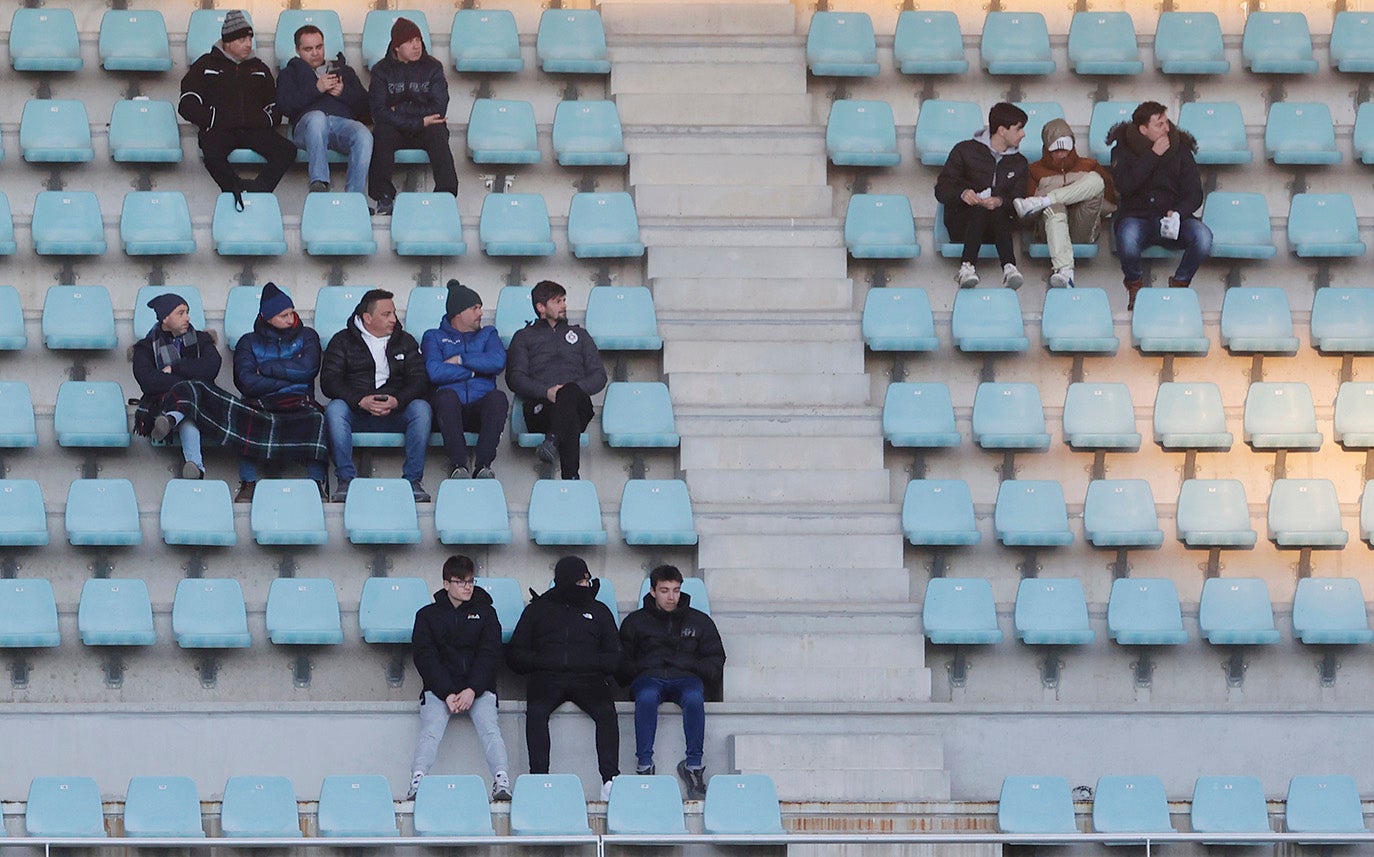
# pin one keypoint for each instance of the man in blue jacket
(327, 106)
(463, 359)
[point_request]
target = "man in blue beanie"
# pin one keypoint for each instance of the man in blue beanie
(463, 359)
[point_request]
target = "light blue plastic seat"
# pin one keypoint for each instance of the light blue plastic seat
(1104, 43)
(333, 308)
(471, 511)
(1190, 43)
(1168, 321)
(572, 41)
(1343, 320)
(657, 512)
(880, 226)
(515, 224)
(381, 511)
(548, 805)
(1105, 115)
(303, 611)
(162, 807)
(1016, 43)
(287, 512)
(1277, 43)
(337, 224)
(1330, 611)
(1038, 114)
(91, 414)
(939, 512)
(988, 320)
(1009, 416)
(1367, 513)
(259, 807)
(377, 32)
(54, 130)
(1352, 42)
(240, 312)
(1323, 225)
(1035, 804)
(357, 806)
(1353, 427)
(386, 613)
(427, 224)
(1052, 612)
(1300, 133)
(102, 512)
(1323, 804)
(841, 44)
(12, 335)
(67, 223)
(1362, 139)
(28, 614)
(1031, 513)
(1305, 513)
(18, 429)
(526, 439)
(622, 319)
(1240, 226)
(1120, 513)
(1236, 611)
(1219, 129)
(8, 246)
(1257, 321)
(588, 133)
(23, 518)
(255, 231)
(64, 807)
(145, 318)
(604, 225)
(898, 319)
(1100, 416)
(204, 27)
(197, 512)
(156, 223)
(645, 805)
(565, 513)
(291, 20)
(1130, 804)
(693, 587)
(1077, 321)
(425, 306)
(116, 612)
(1145, 612)
(508, 599)
(960, 611)
(919, 414)
(143, 131)
(485, 40)
(1281, 415)
(741, 804)
(44, 39)
(452, 806)
(1227, 804)
(209, 613)
(1190, 416)
(502, 132)
(929, 42)
(1214, 513)
(861, 134)
(639, 414)
(514, 311)
(134, 40)
(942, 124)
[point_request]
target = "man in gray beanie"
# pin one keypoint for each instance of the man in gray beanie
(463, 359)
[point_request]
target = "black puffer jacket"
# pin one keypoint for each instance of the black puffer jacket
(348, 371)
(456, 648)
(670, 645)
(1150, 185)
(971, 165)
(219, 94)
(566, 631)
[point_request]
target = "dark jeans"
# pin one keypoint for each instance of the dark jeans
(1134, 234)
(565, 419)
(486, 416)
(215, 147)
(975, 226)
(593, 695)
(690, 695)
(386, 139)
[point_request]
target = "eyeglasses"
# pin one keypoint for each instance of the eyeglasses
(468, 582)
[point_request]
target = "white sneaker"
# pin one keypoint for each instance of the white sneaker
(1062, 278)
(606, 790)
(414, 784)
(1011, 278)
(1029, 205)
(967, 277)
(500, 787)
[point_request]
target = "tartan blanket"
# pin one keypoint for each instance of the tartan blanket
(245, 426)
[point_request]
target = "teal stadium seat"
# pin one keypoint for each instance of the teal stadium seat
(55, 131)
(1190, 43)
(623, 319)
(1038, 114)
(485, 40)
(502, 132)
(23, 517)
(8, 245)
(1227, 804)
(548, 805)
(1367, 513)
(162, 807)
(588, 134)
(514, 311)
(1323, 804)
(1213, 513)
(1100, 416)
(1168, 321)
(1120, 513)
(452, 806)
(1219, 129)
(287, 512)
(1145, 612)
(919, 414)
(333, 308)
(565, 513)
(638, 414)
(1300, 133)
(44, 39)
(1277, 43)
(204, 27)
(386, 612)
(1305, 513)
(1352, 42)
(67, 223)
(880, 226)
(303, 611)
(742, 804)
(381, 511)
(693, 587)
(1330, 611)
(240, 312)
(841, 44)
(64, 807)
(1078, 321)
(1343, 320)
(91, 414)
(1052, 612)
(291, 20)
(12, 335)
(78, 317)
(657, 512)
(929, 42)
(507, 599)
(259, 807)
(938, 513)
(1353, 426)
(145, 318)
(1009, 416)
(942, 124)
(143, 131)
(1031, 513)
(899, 319)
(425, 306)
(377, 32)
(28, 614)
(571, 41)
(604, 226)
(645, 805)
(357, 806)
(861, 134)
(1016, 43)
(1035, 804)
(1362, 139)
(1104, 43)
(1105, 116)
(521, 434)
(134, 40)
(515, 224)
(1257, 321)
(209, 613)
(1236, 611)
(102, 512)
(1281, 415)
(1323, 225)
(427, 224)
(1130, 804)
(156, 223)
(116, 612)
(255, 231)
(960, 611)
(197, 512)
(1240, 225)
(18, 428)
(988, 320)
(472, 511)
(1190, 416)
(337, 224)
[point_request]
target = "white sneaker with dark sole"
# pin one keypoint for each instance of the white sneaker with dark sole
(967, 277)
(1011, 278)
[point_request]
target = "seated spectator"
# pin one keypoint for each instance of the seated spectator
(977, 185)
(275, 368)
(463, 360)
(1071, 193)
(375, 377)
(328, 109)
(409, 96)
(1157, 180)
(555, 368)
(229, 95)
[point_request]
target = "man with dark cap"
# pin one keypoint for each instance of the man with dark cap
(172, 352)
(566, 642)
(409, 97)
(463, 360)
(328, 109)
(229, 95)
(554, 367)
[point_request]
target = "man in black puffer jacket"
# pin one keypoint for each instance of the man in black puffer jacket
(566, 642)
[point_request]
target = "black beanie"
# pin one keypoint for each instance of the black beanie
(164, 304)
(460, 297)
(570, 571)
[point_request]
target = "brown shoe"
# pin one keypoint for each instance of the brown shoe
(1179, 284)
(1132, 288)
(245, 492)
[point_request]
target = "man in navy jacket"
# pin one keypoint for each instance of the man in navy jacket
(463, 359)
(327, 106)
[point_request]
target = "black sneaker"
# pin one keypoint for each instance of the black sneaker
(694, 779)
(644, 772)
(245, 492)
(191, 470)
(319, 187)
(484, 473)
(547, 451)
(340, 494)
(324, 489)
(418, 492)
(459, 472)
(384, 207)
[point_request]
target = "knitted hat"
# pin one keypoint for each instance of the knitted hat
(274, 301)
(402, 31)
(460, 297)
(235, 26)
(569, 571)
(164, 304)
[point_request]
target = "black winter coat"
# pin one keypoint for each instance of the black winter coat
(402, 94)
(272, 362)
(670, 645)
(297, 93)
(199, 362)
(972, 166)
(542, 355)
(1150, 185)
(456, 648)
(218, 94)
(348, 371)
(570, 634)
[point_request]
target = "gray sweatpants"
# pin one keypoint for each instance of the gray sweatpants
(434, 717)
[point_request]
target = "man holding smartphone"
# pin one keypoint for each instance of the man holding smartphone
(327, 106)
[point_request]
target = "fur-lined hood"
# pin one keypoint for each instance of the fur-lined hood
(1127, 132)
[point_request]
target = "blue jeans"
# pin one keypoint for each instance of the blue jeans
(317, 132)
(189, 435)
(340, 421)
(248, 470)
(689, 694)
(1134, 234)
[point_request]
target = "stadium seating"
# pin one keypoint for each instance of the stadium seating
(1281, 416)
(1130, 804)
(471, 512)
(502, 132)
(657, 512)
(1016, 43)
(1353, 426)
(1100, 416)
(1330, 611)
(116, 613)
(134, 40)
(1077, 321)
(241, 311)
(1009, 416)
(381, 511)
(156, 223)
(377, 32)
(287, 512)
(303, 611)
(515, 224)
(485, 40)
(337, 224)
(1343, 320)
(8, 246)
(28, 614)
(259, 807)
(988, 320)
(12, 335)
(1190, 43)
(588, 134)
(162, 807)
(102, 512)
(741, 804)
(1362, 137)
(1031, 513)
(638, 414)
(622, 319)
(524, 438)
(333, 308)
(841, 44)
(1239, 224)
(18, 429)
(1257, 321)
(1323, 225)
(919, 414)
(1104, 43)
(1035, 804)
(1323, 804)
(1168, 321)
(1213, 513)
(257, 230)
(67, 223)
(1305, 513)
(209, 613)
(1277, 43)
(1145, 612)
(861, 134)
(645, 804)
(291, 20)
(508, 600)
(452, 805)
(572, 41)
(1300, 133)
(1120, 513)
(1190, 416)
(386, 612)
(899, 319)
(1352, 42)
(1219, 129)
(565, 512)
(513, 311)
(1052, 612)
(548, 805)
(356, 806)
(64, 807)
(942, 124)
(426, 224)
(55, 131)
(960, 612)
(23, 520)
(197, 512)
(1105, 116)
(1229, 804)
(880, 226)
(1236, 611)
(45, 40)
(143, 131)
(939, 512)
(929, 42)
(603, 225)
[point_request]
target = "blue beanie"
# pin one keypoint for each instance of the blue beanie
(164, 304)
(274, 301)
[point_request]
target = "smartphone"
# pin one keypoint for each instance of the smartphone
(379, 398)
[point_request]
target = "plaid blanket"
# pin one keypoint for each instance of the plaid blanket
(247, 427)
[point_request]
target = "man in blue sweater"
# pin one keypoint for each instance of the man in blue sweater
(327, 106)
(463, 359)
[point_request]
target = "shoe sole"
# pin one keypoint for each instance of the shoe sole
(1014, 282)
(546, 454)
(162, 427)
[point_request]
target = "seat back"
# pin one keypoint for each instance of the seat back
(144, 131)
(514, 311)
(1038, 114)
(334, 308)
(381, 511)
(209, 613)
(1277, 43)
(68, 223)
(929, 42)
(1104, 43)
(1099, 416)
(357, 806)
(44, 39)
(1077, 321)
(1016, 43)
(919, 414)
(989, 320)
(939, 512)
(1229, 804)
(55, 130)
(1352, 42)
(1281, 415)
(741, 804)
(427, 224)
(1257, 321)
(23, 518)
(1240, 225)
(1130, 804)
(602, 225)
(337, 224)
(548, 805)
(1214, 513)
(28, 614)
(565, 513)
(507, 598)
(841, 44)
(861, 133)
(1121, 513)
(452, 806)
(1323, 804)
(1009, 416)
(1168, 321)
(386, 612)
(657, 512)
(1051, 611)
(502, 132)
(1219, 129)
(1305, 513)
(162, 807)
(156, 223)
(287, 512)
(64, 807)
(78, 317)
(1105, 116)
(255, 231)
(1324, 224)
(1145, 612)
(1236, 610)
(304, 611)
(1190, 416)
(485, 40)
(116, 613)
(1343, 320)
(960, 611)
(622, 319)
(1300, 133)
(134, 40)
(102, 512)
(291, 20)
(638, 414)
(880, 226)
(1353, 425)
(18, 428)
(259, 807)
(1330, 610)
(471, 511)
(588, 133)
(572, 41)
(91, 414)
(1031, 512)
(377, 32)
(942, 124)
(899, 319)
(645, 805)
(1035, 804)
(515, 224)
(1190, 43)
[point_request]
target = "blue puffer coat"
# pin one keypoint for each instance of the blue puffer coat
(272, 362)
(484, 357)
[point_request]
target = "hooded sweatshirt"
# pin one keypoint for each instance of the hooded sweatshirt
(402, 94)
(1150, 185)
(566, 631)
(456, 648)
(973, 165)
(1045, 176)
